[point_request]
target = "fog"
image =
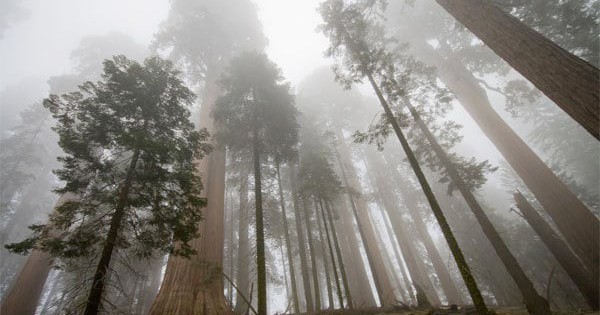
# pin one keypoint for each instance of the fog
(299, 157)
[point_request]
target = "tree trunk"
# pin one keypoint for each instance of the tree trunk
(94, 300)
(195, 285)
(359, 207)
(535, 303)
(324, 256)
(435, 207)
(333, 263)
(288, 243)
(261, 271)
(577, 224)
(574, 268)
(301, 243)
(340, 260)
(315, 271)
(566, 79)
(243, 261)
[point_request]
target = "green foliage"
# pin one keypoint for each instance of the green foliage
(137, 110)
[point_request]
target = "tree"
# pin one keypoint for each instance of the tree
(567, 80)
(349, 33)
(256, 113)
(130, 157)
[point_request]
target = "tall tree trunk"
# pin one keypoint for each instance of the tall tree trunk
(574, 268)
(311, 248)
(359, 208)
(243, 254)
(288, 243)
(301, 243)
(535, 303)
(435, 207)
(340, 259)
(261, 271)
(324, 256)
(195, 285)
(566, 79)
(574, 220)
(333, 263)
(95, 297)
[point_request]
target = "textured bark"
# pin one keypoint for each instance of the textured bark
(340, 259)
(288, 243)
(301, 244)
(574, 220)
(243, 254)
(195, 285)
(359, 206)
(565, 257)
(330, 246)
(535, 303)
(566, 79)
(435, 207)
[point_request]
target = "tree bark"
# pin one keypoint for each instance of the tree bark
(566, 79)
(301, 244)
(324, 257)
(243, 255)
(288, 243)
(567, 259)
(195, 285)
(311, 248)
(340, 259)
(574, 219)
(333, 263)
(261, 271)
(435, 207)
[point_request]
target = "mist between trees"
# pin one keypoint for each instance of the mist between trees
(445, 162)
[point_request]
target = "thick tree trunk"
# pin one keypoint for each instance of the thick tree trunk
(574, 220)
(574, 268)
(94, 300)
(340, 259)
(435, 207)
(301, 243)
(535, 303)
(359, 207)
(243, 254)
(311, 249)
(566, 79)
(261, 271)
(288, 243)
(195, 285)
(333, 263)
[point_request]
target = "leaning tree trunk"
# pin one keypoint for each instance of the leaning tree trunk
(566, 79)
(301, 243)
(574, 268)
(435, 207)
(574, 220)
(340, 260)
(333, 263)
(535, 303)
(195, 285)
(288, 243)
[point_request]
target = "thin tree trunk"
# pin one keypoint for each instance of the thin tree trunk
(243, 272)
(566, 79)
(324, 256)
(333, 263)
(534, 302)
(574, 220)
(315, 272)
(301, 243)
(288, 242)
(359, 207)
(261, 271)
(339, 258)
(574, 268)
(435, 207)
(195, 285)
